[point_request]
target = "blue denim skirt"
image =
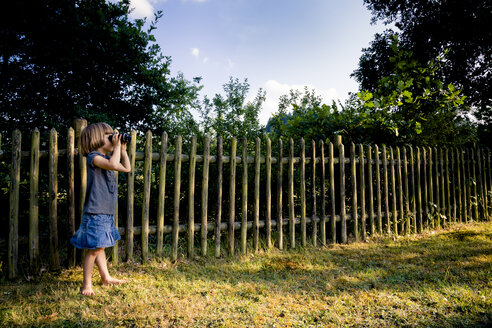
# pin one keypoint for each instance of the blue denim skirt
(95, 231)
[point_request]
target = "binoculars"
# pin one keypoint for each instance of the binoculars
(125, 137)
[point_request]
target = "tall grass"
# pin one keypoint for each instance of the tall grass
(437, 279)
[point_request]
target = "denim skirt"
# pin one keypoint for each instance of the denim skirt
(95, 231)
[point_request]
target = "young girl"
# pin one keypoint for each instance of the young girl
(97, 229)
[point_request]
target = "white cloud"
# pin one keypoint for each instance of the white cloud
(276, 89)
(205, 60)
(142, 9)
(195, 52)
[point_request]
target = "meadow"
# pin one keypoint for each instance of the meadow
(438, 278)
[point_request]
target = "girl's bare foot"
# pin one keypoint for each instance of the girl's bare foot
(87, 291)
(113, 281)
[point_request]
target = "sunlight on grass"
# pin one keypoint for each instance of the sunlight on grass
(428, 280)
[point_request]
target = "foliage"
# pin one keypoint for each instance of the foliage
(62, 60)
(426, 28)
(415, 104)
(410, 105)
(230, 115)
(434, 279)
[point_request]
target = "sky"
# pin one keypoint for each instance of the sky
(277, 45)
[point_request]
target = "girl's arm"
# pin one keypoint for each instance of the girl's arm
(125, 160)
(113, 163)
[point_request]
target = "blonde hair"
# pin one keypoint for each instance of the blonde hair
(92, 137)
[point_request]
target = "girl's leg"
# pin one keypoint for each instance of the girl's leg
(103, 270)
(89, 259)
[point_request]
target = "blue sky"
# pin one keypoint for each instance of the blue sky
(277, 45)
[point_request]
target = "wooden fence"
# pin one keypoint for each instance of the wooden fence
(355, 192)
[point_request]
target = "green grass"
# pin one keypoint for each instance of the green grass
(437, 279)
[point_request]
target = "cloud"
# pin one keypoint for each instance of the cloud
(275, 89)
(205, 60)
(195, 52)
(142, 9)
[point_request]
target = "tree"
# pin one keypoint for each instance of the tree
(410, 105)
(230, 115)
(427, 28)
(62, 59)
(304, 115)
(416, 105)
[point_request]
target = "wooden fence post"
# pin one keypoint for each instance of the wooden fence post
(443, 188)
(480, 182)
(437, 189)
(394, 215)
(218, 220)
(303, 194)
(13, 248)
(456, 183)
(323, 194)
(418, 183)
(464, 193)
(430, 202)
(53, 203)
(400, 191)
(292, 226)
(176, 199)
(333, 219)
(363, 214)
(232, 195)
(484, 183)
(268, 219)
(314, 219)
(353, 174)
(372, 227)
(407, 214)
(279, 196)
(72, 253)
(469, 184)
(79, 126)
(146, 196)
(414, 191)
(162, 195)
(386, 190)
(343, 217)
(130, 197)
(256, 218)
(378, 190)
(191, 200)
(244, 198)
(34, 203)
(205, 179)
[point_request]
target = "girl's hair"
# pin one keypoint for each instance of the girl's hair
(92, 137)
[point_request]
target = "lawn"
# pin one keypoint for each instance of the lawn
(436, 279)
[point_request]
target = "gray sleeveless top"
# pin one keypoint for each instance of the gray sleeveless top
(102, 191)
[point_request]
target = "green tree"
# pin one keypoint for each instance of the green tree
(304, 115)
(426, 28)
(415, 104)
(229, 115)
(62, 59)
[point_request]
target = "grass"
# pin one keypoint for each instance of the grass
(436, 279)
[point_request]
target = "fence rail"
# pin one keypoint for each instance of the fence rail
(371, 190)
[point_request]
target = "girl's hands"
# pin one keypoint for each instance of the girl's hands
(116, 139)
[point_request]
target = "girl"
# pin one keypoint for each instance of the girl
(97, 230)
